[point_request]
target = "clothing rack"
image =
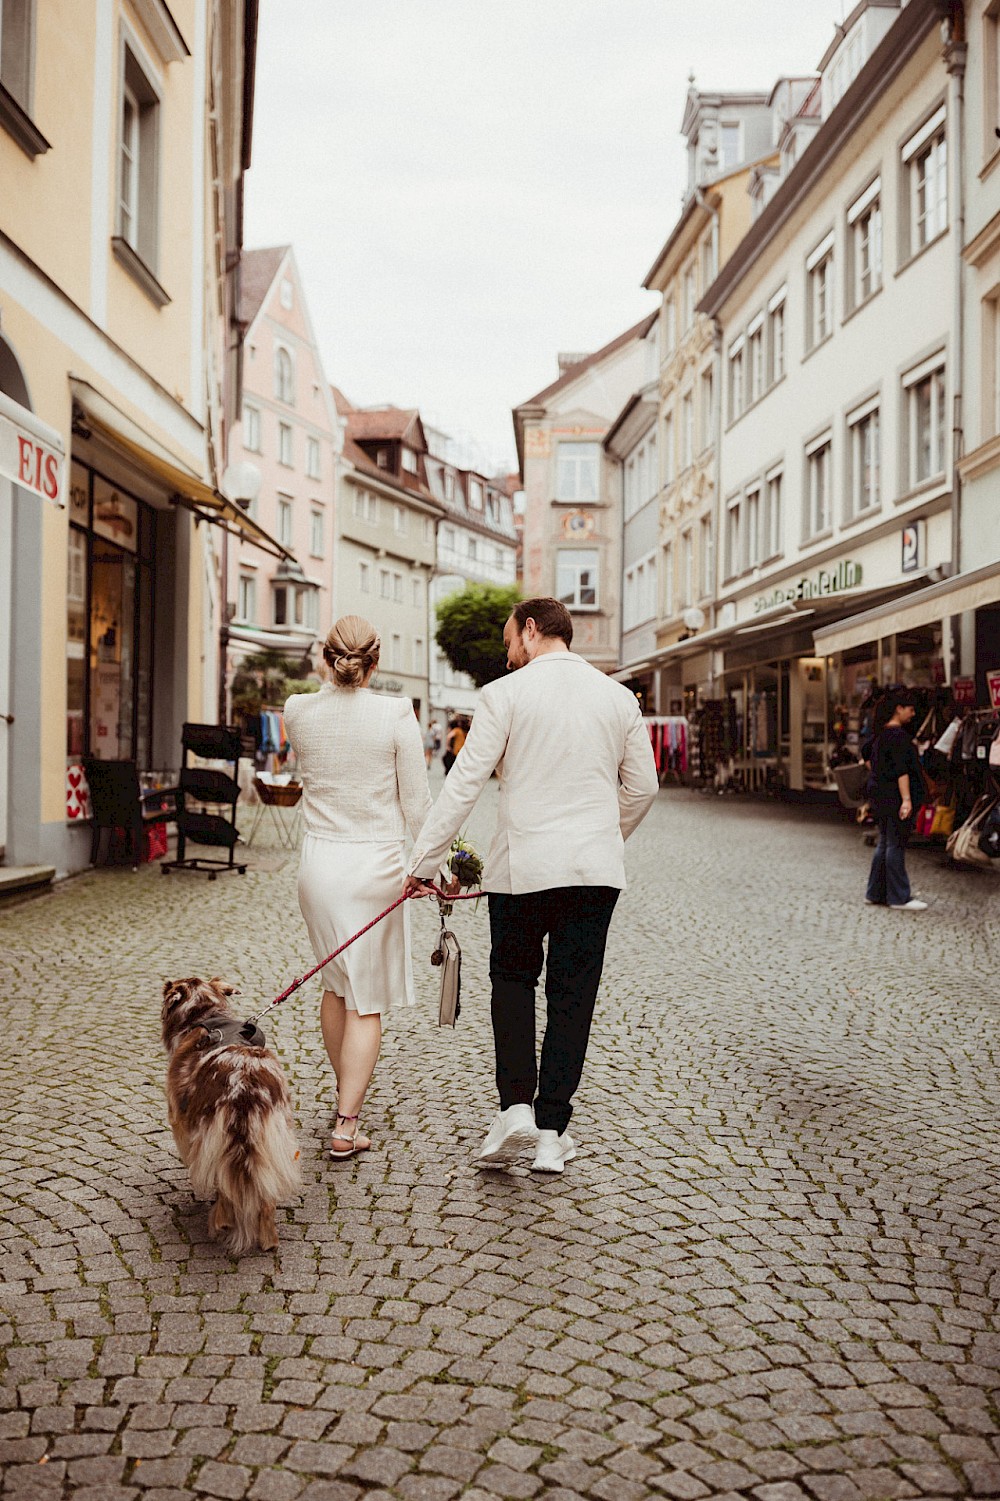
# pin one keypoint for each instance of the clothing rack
(670, 737)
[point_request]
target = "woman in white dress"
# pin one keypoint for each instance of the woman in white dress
(364, 784)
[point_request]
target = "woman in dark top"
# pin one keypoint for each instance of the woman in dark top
(895, 785)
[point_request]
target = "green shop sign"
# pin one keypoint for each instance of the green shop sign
(813, 586)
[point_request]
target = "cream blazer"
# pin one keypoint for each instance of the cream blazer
(576, 771)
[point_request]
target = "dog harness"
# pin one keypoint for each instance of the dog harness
(225, 1031)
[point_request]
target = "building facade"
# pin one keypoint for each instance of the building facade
(290, 434)
(572, 509)
(124, 135)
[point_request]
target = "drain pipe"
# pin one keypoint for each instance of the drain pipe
(954, 51)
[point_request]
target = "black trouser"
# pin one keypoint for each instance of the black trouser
(576, 919)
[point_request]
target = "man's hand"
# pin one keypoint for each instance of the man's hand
(413, 886)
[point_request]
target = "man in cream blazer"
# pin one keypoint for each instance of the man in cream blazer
(577, 776)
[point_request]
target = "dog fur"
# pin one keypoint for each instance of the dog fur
(231, 1114)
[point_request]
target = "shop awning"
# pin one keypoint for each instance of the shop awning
(188, 488)
(967, 591)
(264, 640)
(32, 453)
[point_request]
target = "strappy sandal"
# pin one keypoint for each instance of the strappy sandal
(352, 1140)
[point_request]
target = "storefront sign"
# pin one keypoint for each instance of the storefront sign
(30, 462)
(913, 548)
(993, 688)
(843, 576)
(963, 690)
(577, 524)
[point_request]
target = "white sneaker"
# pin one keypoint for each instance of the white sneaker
(554, 1151)
(513, 1131)
(911, 906)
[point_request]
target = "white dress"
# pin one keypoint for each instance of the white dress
(364, 784)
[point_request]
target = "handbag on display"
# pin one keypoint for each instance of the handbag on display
(989, 836)
(924, 819)
(963, 846)
(994, 755)
(948, 738)
(943, 819)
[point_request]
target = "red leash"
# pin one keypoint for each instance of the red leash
(442, 896)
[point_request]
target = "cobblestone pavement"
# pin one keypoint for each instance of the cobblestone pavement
(773, 1270)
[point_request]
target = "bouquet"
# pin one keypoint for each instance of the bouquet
(464, 863)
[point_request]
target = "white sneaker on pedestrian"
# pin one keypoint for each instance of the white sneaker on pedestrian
(513, 1131)
(911, 906)
(554, 1151)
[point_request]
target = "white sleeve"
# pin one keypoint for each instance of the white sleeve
(638, 781)
(411, 771)
(482, 752)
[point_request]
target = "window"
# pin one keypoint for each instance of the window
(707, 408)
(366, 507)
(668, 449)
(399, 521)
(286, 293)
(687, 429)
(734, 538)
(473, 549)
(864, 481)
(449, 485)
(384, 583)
(312, 458)
(925, 160)
(755, 358)
(707, 555)
(669, 327)
(864, 221)
(138, 148)
(448, 540)
(577, 471)
(365, 578)
(285, 445)
(16, 37)
(925, 421)
(251, 428)
(418, 654)
(689, 297)
(653, 475)
(819, 293)
(418, 593)
(751, 526)
(776, 337)
(729, 145)
(476, 493)
(668, 581)
(428, 529)
(639, 602)
(316, 532)
(280, 604)
(285, 520)
(382, 458)
(576, 578)
(397, 588)
(707, 262)
(687, 569)
(735, 380)
(246, 599)
(396, 652)
(818, 513)
(284, 376)
(773, 521)
(409, 461)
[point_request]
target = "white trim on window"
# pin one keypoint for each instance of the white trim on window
(755, 325)
(820, 442)
(856, 413)
(924, 134)
(925, 368)
(778, 298)
(822, 250)
(859, 205)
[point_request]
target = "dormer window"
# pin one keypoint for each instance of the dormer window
(409, 461)
(382, 458)
(729, 145)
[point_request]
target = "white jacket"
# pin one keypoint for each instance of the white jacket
(576, 771)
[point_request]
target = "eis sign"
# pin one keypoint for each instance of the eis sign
(30, 462)
(825, 581)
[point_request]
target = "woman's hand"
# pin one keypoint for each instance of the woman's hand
(905, 809)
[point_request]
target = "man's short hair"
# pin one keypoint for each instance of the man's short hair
(551, 618)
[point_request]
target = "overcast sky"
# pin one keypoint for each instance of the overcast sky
(473, 185)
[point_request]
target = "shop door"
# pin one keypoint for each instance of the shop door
(6, 637)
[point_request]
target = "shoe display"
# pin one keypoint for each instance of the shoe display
(554, 1151)
(913, 905)
(513, 1131)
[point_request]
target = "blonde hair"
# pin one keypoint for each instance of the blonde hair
(351, 650)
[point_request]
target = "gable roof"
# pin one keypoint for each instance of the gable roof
(573, 372)
(258, 268)
(340, 401)
(386, 422)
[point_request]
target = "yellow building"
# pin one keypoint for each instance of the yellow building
(124, 135)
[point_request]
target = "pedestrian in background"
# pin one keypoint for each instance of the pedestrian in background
(577, 778)
(453, 741)
(895, 787)
(362, 789)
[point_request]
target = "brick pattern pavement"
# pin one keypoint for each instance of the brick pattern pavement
(772, 1272)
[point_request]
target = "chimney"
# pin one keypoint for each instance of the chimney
(572, 358)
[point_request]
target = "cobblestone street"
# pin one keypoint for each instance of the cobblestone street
(773, 1270)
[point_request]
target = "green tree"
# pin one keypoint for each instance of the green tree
(470, 629)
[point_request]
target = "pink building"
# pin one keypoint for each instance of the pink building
(290, 434)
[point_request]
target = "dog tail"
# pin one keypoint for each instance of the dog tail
(249, 1173)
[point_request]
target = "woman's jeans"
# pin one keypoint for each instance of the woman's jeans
(888, 881)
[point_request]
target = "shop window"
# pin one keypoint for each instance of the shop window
(577, 578)
(864, 457)
(776, 338)
(864, 263)
(284, 375)
(925, 178)
(818, 514)
(577, 471)
(819, 293)
(109, 593)
(136, 222)
(925, 416)
(773, 519)
(251, 428)
(246, 597)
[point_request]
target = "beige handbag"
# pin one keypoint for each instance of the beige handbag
(450, 1005)
(963, 846)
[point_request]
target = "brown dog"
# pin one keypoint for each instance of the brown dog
(231, 1114)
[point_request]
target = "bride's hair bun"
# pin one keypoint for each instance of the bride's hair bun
(351, 650)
